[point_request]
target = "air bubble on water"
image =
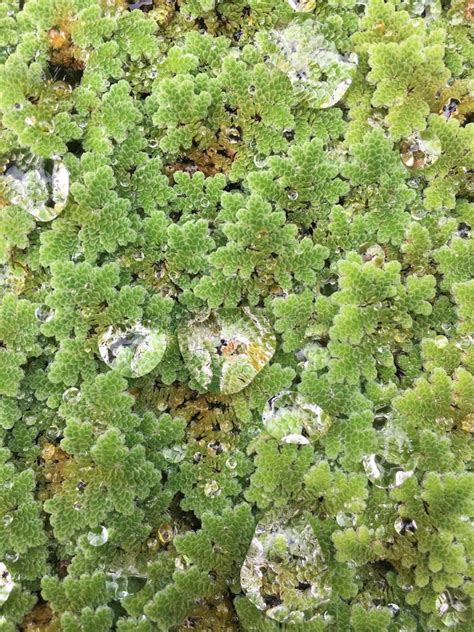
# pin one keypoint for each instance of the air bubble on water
(319, 73)
(134, 351)
(174, 454)
(284, 573)
(302, 6)
(292, 195)
(419, 151)
(212, 489)
(42, 190)
(289, 415)
(12, 556)
(72, 395)
(98, 536)
(7, 519)
(226, 350)
(6, 583)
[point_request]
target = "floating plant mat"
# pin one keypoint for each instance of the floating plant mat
(227, 350)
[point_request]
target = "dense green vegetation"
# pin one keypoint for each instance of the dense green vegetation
(236, 315)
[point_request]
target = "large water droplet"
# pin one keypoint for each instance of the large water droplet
(419, 151)
(284, 574)
(98, 536)
(289, 418)
(302, 6)
(133, 352)
(227, 350)
(42, 191)
(6, 583)
(319, 74)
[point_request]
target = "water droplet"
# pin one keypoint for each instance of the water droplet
(42, 191)
(450, 108)
(134, 351)
(165, 533)
(204, 202)
(302, 6)
(43, 313)
(289, 134)
(12, 556)
(174, 454)
(138, 256)
(98, 536)
(7, 520)
(233, 135)
(181, 562)
(419, 151)
(441, 342)
(77, 257)
(260, 161)
(292, 195)
(401, 476)
(117, 586)
(319, 74)
(153, 143)
(212, 489)
(284, 574)
(251, 89)
(296, 439)
(6, 583)
(405, 526)
(394, 609)
(53, 432)
(345, 519)
(227, 350)
(288, 415)
(77, 506)
(72, 395)
(153, 74)
(231, 463)
(373, 470)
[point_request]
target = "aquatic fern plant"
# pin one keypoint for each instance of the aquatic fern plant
(236, 315)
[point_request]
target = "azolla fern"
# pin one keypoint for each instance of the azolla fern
(236, 315)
